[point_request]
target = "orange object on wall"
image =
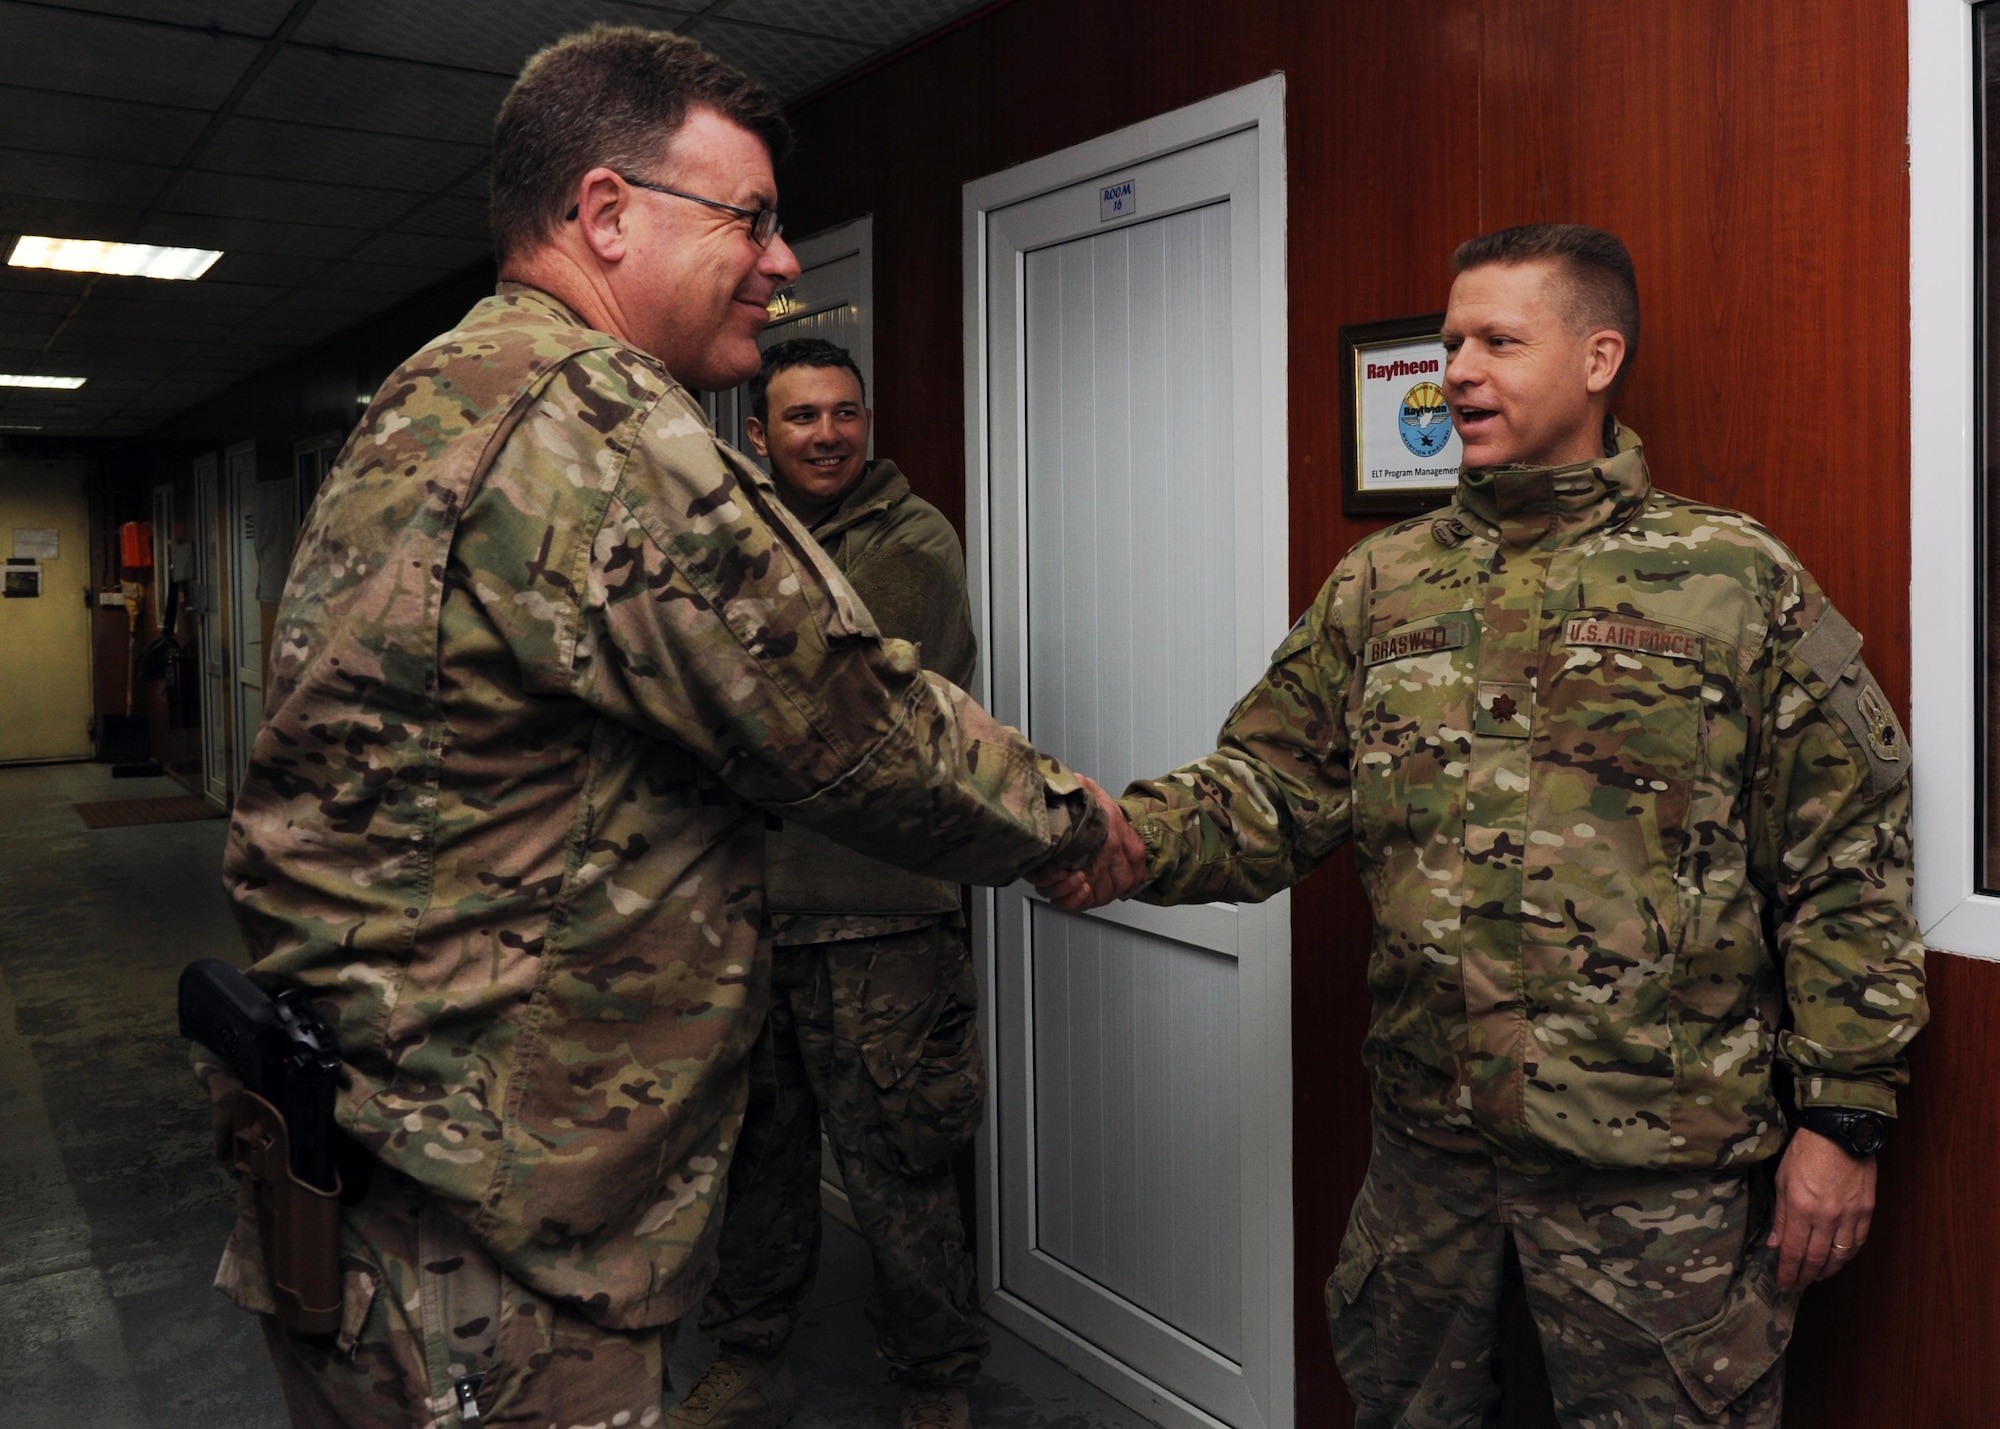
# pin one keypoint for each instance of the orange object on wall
(135, 542)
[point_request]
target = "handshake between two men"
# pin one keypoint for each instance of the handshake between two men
(1116, 872)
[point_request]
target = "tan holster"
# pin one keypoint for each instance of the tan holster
(298, 1226)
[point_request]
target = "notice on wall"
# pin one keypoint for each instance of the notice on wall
(21, 580)
(1406, 436)
(36, 543)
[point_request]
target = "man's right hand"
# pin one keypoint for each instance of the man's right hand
(1118, 869)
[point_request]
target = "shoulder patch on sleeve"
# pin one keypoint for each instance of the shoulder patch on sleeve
(1829, 646)
(1297, 638)
(1858, 702)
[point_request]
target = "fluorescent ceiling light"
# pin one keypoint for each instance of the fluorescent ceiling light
(16, 379)
(20, 426)
(90, 255)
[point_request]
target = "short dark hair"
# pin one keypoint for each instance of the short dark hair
(1602, 289)
(613, 95)
(799, 352)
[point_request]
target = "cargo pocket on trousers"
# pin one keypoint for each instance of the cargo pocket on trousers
(929, 1079)
(1352, 1329)
(1723, 1357)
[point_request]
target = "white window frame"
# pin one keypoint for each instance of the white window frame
(1944, 473)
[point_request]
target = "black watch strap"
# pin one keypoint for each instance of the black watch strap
(1859, 1133)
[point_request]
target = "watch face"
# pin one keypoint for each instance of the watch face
(1865, 1134)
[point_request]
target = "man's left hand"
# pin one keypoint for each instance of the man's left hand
(1826, 1200)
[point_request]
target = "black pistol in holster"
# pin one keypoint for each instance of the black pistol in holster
(281, 1133)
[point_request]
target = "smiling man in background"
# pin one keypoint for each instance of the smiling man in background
(873, 1027)
(548, 653)
(1591, 741)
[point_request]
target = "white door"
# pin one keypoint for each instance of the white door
(246, 622)
(214, 651)
(833, 299)
(1128, 479)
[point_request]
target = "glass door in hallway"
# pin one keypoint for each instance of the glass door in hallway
(1127, 512)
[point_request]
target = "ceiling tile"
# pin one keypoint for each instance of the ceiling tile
(17, 302)
(121, 323)
(87, 125)
(378, 278)
(386, 96)
(507, 32)
(786, 64)
(201, 294)
(30, 213)
(450, 217)
(876, 23)
(120, 58)
(348, 303)
(256, 18)
(340, 156)
(265, 269)
(63, 178)
(157, 353)
(250, 235)
(425, 250)
(207, 317)
(68, 286)
(27, 332)
(237, 196)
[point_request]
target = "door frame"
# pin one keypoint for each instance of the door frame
(217, 687)
(853, 239)
(245, 638)
(1268, 1326)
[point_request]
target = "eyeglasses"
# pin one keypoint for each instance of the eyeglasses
(764, 224)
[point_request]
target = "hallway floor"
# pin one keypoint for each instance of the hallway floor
(112, 1212)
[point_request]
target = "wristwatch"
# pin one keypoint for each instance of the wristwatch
(1859, 1133)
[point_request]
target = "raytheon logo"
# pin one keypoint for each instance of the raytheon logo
(1400, 368)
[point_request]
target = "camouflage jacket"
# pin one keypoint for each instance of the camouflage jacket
(904, 561)
(1589, 740)
(545, 644)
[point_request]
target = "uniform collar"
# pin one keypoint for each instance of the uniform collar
(1525, 505)
(881, 486)
(520, 294)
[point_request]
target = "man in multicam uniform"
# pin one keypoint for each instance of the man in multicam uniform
(1591, 741)
(874, 1007)
(546, 647)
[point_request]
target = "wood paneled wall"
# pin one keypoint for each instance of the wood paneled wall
(1753, 157)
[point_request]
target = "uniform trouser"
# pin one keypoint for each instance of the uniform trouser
(1653, 1292)
(878, 1038)
(423, 1309)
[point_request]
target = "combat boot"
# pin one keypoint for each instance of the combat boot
(935, 1406)
(740, 1391)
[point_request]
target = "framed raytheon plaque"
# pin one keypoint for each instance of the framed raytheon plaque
(1401, 454)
